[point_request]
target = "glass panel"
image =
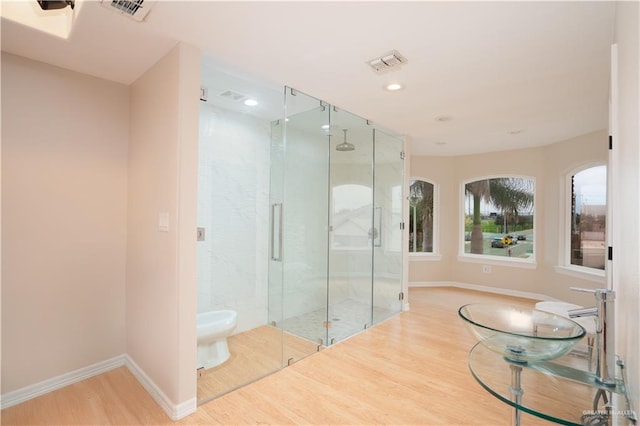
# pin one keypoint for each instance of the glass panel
(499, 217)
(276, 200)
(351, 182)
(421, 215)
(305, 219)
(588, 217)
(233, 212)
(387, 272)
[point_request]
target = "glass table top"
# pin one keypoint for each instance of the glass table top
(559, 391)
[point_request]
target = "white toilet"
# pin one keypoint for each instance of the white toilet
(213, 329)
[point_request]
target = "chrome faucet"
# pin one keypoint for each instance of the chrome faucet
(604, 311)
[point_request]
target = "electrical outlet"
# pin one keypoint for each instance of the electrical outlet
(486, 269)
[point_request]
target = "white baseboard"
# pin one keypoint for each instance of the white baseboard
(431, 284)
(486, 289)
(26, 393)
(174, 411)
(185, 408)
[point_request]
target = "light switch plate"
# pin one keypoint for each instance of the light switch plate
(163, 222)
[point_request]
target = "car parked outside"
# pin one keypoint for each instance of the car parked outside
(497, 243)
(502, 242)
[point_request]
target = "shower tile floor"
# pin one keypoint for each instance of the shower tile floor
(347, 317)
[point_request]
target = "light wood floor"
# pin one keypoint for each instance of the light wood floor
(411, 369)
(254, 354)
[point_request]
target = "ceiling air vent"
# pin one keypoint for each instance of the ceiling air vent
(386, 61)
(135, 9)
(233, 96)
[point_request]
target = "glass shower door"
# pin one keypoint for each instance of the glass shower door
(300, 225)
(387, 254)
(351, 225)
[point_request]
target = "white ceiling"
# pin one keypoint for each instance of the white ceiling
(540, 68)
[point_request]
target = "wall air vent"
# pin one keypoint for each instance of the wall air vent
(135, 9)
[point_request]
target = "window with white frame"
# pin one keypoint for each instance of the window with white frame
(499, 217)
(588, 214)
(421, 216)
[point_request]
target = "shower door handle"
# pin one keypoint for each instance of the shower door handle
(276, 234)
(376, 236)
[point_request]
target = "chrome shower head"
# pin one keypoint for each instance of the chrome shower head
(345, 146)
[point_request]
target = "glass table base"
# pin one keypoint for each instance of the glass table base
(561, 391)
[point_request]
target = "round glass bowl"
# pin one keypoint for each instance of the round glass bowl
(519, 334)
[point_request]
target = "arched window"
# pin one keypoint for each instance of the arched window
(351, 215)
(588, 214)
(499, 218)
(422, 216)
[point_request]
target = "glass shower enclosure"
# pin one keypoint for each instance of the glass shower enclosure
(335, 247)
(299, 225)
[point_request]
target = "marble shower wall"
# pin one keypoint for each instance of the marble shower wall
(233, 203)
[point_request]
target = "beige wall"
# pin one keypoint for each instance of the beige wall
(626, 277)
(161, 284)
(64, 186)
(547, 165)
(188, 139)
(86, 275)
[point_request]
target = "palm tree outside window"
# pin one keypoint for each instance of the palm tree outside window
(421, 216)
(499, 216)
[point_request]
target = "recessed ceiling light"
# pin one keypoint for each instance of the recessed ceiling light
(325, 127)
(392, 87)
(251, 102)
(514, 132)
(442, 118)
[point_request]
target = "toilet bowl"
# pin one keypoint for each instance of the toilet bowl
(213, 329)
